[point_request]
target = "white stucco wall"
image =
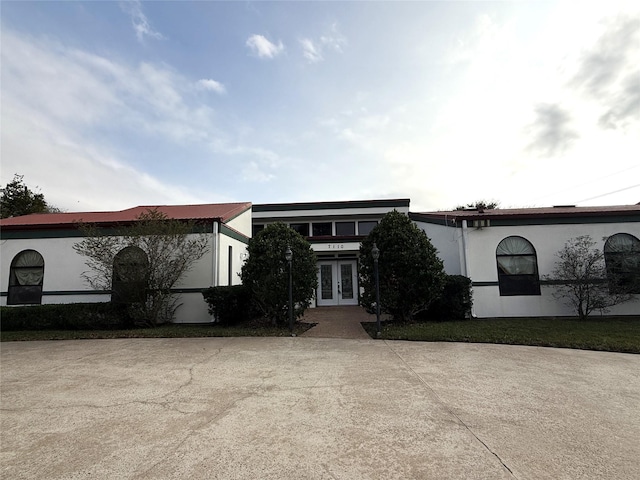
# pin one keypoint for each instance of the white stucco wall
(242, 223)
(63, 267)
(63, 282)
(239, 251)
(447, 241)
(547, 241)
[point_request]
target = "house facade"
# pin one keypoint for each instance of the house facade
(40, 266)
(507, 253)
(334, 230)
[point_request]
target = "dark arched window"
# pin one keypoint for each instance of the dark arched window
(130, 268)
(25, 278)
(622, 258)
(517, 267)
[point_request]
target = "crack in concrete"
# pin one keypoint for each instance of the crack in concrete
(451, 412)
(210, 421)
(160, 401)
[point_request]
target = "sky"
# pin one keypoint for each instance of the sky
(111, 105)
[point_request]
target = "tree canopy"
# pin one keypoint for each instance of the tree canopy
(141, 263)
(480, 205)
(266, 272)
(410, 272)
(17, 199)
(580, 278)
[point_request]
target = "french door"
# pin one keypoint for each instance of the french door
(337, 282)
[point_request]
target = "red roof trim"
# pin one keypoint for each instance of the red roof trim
(215, 211)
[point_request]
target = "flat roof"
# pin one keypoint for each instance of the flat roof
(557, 214)
(280, 207)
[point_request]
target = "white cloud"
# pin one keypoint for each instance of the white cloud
(212, 85)
(313, 51)
(253, 172)
(70, 143)
(334, 39)
(310, 51)
(139, 20)
(77, 174)
(263, 48)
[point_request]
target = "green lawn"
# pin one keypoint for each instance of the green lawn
(615, 334)
(165, 331)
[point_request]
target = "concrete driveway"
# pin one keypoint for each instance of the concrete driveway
(312, 408)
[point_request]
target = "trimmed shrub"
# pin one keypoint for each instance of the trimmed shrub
(410, 272)
(266, 273)
(64, 316)
(455, 302)
(229, 305)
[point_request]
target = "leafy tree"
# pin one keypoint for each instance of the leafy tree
(141, 263)
(480, 205)
(580, 278)
(411, 274)
(266, 272)
(17, 199)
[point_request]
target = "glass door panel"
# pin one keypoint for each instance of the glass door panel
(346, 273)
(337, 283)
(326, 282)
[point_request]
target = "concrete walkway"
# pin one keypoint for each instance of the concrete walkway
(315, 408)
(337, 322)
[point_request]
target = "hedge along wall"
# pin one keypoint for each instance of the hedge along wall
(69, 316)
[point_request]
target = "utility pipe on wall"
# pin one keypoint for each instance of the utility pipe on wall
(215, 252)
(465, 259)
(465, 240)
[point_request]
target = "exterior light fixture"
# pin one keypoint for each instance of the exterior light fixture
(288, 255)
(375, 253)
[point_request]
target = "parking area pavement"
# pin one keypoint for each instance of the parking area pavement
(315, 408)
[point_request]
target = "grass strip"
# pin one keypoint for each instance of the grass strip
(613, 334)
(164, 331)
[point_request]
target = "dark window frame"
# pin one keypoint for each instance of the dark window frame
(125, 290)
(373, 224)
(623, 277)
(518, 284)
(302, 228)
(318, 229)
(351, 232)
(18, 293)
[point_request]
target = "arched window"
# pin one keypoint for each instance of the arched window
(622, 258)
(25, 278)
(517, 267)
(129, 284)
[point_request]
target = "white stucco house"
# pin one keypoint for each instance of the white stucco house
(40, 266)
(508, 252)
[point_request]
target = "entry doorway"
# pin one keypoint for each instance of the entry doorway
(337, 282)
